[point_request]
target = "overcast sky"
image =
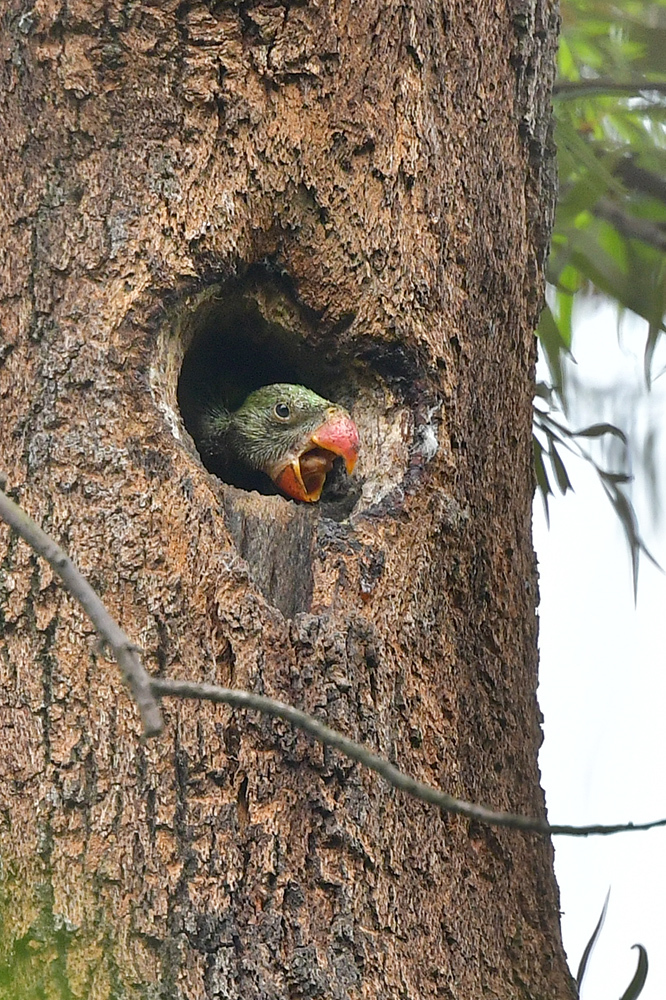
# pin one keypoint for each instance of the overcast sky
(603, 685)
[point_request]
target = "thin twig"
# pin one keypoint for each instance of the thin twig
(639, 179)
(631, 226)
(124, 650)
(600, 84)
(146, 690)
(391, 774)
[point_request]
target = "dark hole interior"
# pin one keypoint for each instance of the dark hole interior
(244, 337)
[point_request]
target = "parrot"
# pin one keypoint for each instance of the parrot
(287, 432)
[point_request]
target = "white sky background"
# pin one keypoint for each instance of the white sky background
(603, 682)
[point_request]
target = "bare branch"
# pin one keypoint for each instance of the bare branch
(391, 774)
(631, 226)
(124, 650)
(639, 179)
(146, 690)
(601, 84)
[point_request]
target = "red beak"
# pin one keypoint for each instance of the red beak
(340, 436)
(304, 477)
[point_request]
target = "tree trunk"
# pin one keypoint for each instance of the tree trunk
(352, 196)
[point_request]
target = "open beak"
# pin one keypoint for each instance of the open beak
(304, 477)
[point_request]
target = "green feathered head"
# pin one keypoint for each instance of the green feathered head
(294, 436)
(287, 432)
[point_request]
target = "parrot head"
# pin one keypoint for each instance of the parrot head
(294, 436)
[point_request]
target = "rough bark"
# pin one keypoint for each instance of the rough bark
(357, 196)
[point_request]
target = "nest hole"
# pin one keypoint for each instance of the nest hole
(239, 338)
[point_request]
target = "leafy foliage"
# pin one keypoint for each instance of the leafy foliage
(551, 436)
(610, 227)
(610, 110)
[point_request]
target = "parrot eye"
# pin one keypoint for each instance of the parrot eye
(282, 411)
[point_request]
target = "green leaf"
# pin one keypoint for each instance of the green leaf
(655, 324)
(563, 481)
(565, 61)
(617, 477)
(627, 517)
(554, 345)
(544, 391)
(591, 943)
(614, 245)
(569, 282)
(598, 430)
(597, 265)
(638, 982)
(543, 483)
(585, 155)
